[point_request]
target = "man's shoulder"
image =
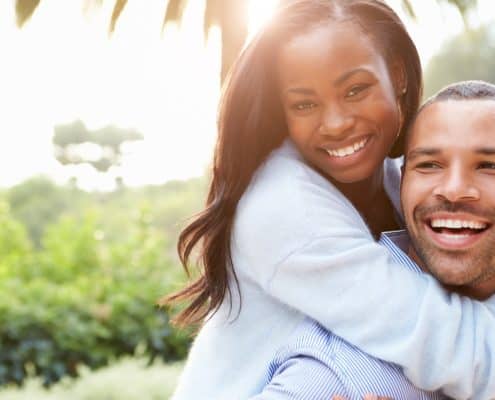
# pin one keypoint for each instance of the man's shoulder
(310, 339)
(357, 372)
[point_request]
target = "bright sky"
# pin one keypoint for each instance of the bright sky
(62, 66)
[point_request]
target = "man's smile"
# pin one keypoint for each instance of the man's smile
(455, 231)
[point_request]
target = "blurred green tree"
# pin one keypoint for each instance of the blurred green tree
(38, 201)
(14, 240)
(102, 148)
(81, 300)
(470, 55)
(229, 15)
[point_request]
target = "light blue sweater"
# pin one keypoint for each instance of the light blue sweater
(315, 364)
(300, 248)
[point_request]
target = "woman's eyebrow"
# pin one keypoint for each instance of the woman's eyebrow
(349, 74)
(338, 81)
(300, 90)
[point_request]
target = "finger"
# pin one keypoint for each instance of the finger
(376, 397)
(338, 398)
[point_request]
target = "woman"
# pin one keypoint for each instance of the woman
(312, 108)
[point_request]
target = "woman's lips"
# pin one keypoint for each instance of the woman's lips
(343, 156)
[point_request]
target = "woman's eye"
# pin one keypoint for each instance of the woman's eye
(303, 105)
(355, 90)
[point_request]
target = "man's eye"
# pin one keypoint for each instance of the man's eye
(487, 165)
(356, 89)
(303, 105)
(426, 165)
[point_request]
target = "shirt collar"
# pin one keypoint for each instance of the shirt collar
(397, 242)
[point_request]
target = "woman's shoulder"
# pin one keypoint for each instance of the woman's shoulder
(285, 180)
(286, 205)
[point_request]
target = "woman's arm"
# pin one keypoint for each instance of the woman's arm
(441, 340)
(306, 245)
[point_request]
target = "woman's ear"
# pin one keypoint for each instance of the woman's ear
(399, 77)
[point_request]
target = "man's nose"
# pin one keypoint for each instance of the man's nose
(457, 185)
(336, 121)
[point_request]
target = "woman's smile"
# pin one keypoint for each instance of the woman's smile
(340, 158)
(348, 150)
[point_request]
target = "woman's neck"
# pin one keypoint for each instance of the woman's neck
(362, 193)
(370, 199)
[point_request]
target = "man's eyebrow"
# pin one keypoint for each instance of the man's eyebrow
(487, 151)
(422, 151)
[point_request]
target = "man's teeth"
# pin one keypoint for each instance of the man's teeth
(347, 151)
(457, 224)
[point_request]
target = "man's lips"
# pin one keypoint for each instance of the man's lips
(455, 231)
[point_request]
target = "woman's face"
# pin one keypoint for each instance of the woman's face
(339, 101)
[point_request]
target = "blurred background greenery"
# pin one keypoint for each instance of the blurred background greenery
(80, 274)
(81, 268)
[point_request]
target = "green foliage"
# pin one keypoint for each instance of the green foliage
(14, 241)
(86, 294)
(38, 201)
(470, 55)
(129, 379)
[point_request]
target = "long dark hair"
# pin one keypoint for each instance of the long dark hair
(251, 124)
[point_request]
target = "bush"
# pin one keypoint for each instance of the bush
(81, 300)
(129, 379)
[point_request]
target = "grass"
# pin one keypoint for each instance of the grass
(129, 379)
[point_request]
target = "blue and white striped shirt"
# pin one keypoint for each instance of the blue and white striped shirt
(316, 364)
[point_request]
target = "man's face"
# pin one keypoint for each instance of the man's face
(448, 192)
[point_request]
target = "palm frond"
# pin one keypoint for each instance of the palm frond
(174, 12)
(407, 6)
(117, 10)
(213, 12)
(24, 9)
(463, 5)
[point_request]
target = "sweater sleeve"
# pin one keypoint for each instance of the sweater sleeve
(305, 245)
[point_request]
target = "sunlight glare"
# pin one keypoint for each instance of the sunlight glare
(165, 86)
(260, 12)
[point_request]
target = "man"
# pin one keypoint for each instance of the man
(448, 202)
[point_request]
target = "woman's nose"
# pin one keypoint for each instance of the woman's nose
(336, 121)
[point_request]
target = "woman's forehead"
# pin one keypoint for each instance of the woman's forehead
(333, 49)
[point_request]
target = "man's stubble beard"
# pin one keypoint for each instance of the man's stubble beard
(456, 268)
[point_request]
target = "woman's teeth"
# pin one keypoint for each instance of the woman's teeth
(348, 150)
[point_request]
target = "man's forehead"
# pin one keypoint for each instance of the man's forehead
(451, 121)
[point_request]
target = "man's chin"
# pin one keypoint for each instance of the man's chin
(451, 268)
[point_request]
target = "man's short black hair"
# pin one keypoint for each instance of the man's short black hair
(464, 90)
